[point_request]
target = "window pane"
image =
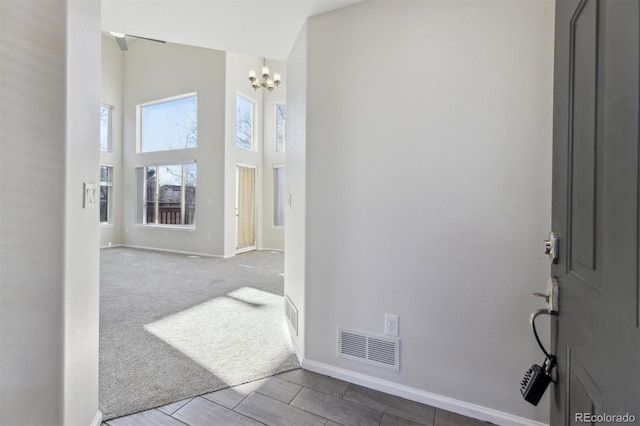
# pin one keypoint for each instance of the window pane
(170, 125)
(140, 195)
(281, 111)
(105, 128)
(106, 174)
(151, 194)
(105, 192)
(278, 196)
(244, 123)
(190, 194)
(106, 184)
(169, 194)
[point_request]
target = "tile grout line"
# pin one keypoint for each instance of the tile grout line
(184, 423)
(277, 400)
(345, 392)
(297, 393)
(227, 408)
(245, 415)
(176, 410)
(302, 409)
(241, 401)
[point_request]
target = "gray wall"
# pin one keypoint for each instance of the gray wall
(49, 83)
(427, 160)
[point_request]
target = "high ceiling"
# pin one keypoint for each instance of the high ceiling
(258, 27)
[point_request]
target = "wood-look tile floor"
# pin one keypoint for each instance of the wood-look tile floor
(296, 398)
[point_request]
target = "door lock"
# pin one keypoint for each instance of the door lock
(552, 247)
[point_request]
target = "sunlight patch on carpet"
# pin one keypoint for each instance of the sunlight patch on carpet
(234, 325)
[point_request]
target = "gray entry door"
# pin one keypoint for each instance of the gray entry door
(595, 211)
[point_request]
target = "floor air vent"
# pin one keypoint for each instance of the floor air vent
(373, 349)
(291, 313)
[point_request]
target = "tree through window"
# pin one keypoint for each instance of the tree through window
(244, 123)
(167, 194)
(169, 125)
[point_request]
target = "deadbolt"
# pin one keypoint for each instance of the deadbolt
(552, 247)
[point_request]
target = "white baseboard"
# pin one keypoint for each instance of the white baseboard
(438, 401)
(97, 420)
(272, 249)
(192, 253)
(293, 343)
(111, 246)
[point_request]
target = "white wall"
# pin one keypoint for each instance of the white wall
(263, 156)
(237, 83)
(111, 94)
(81, 238)
(49, 243)
(272, 237)
(154, 71)
(295, 184)
(428, 163)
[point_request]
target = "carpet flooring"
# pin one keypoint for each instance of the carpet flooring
(173, 326)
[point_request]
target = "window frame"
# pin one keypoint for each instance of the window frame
(109, 109)
(274, 198)
(284, 137)
(139, 124)
(254, 107)
(109, 186)
(142, 199)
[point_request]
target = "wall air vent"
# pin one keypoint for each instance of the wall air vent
(379, 350)
(291, 312)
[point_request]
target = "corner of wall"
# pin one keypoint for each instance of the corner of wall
(295, 185)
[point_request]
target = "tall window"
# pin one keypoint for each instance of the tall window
(278, 196)
(105, 127)
(106, 189)
(167, 194)
(244, 123)
(169, 124)
(281, 112)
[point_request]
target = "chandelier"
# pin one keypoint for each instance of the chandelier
(265, 79)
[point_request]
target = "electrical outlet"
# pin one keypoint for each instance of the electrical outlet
(391, 325)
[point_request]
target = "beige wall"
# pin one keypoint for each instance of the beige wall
(154, 71)
(426, 162)
(111, 94)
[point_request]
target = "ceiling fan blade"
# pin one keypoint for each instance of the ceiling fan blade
(146, 38)
(122, 43)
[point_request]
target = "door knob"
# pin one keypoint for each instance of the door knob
(552, 247)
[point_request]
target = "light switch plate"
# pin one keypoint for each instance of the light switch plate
(90, 198)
